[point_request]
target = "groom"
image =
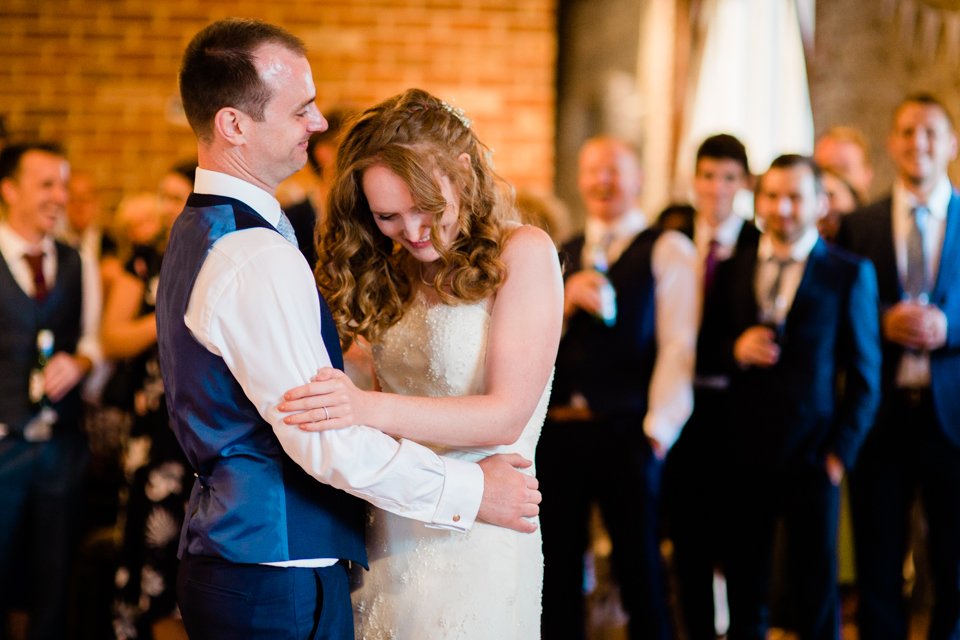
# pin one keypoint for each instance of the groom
(239, 320)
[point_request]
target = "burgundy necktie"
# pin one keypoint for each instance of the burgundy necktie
(710, 263)
(35, 260)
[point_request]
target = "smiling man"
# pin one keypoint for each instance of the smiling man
(239, 321)
(42, 455)
(622, 393)
(800, 316)
(693, 498)
(913, 239)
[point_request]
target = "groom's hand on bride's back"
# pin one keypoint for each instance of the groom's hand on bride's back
(509, 496)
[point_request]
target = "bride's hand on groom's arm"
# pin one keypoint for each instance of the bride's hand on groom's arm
(328, 401)
(509, 496)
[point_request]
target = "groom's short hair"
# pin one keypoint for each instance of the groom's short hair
(218, 70)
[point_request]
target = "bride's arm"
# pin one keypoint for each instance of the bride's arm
(522, 344)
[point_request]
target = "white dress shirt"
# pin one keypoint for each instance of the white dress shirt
(677, 300)
(914, 369)
(792, 272)
(88, 245)
(13, 247)
(725, 234)
(254, 304)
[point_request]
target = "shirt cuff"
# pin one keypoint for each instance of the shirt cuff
(461, 496)
(661, 430)
(90, 348)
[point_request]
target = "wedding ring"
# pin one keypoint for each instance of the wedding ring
(326, 414)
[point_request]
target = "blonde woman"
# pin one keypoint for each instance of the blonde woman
(420, 255)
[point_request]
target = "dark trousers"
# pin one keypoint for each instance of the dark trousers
(40, 488)
(610, 463)
(802, 495)
(224, 600)
(905, 453)
(693, 477)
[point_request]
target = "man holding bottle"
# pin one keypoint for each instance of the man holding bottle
(42, 448)
(622, 393)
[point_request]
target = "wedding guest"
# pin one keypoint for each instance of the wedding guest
(174, 189)
(321, 159)
(43, 452)
(694, 495)
(157, 481)
(842, 198)
(621, 395)
(912, 237)
(800, 315)
(845, 151)
(545, 211)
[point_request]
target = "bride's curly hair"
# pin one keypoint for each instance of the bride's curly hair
(367, 279)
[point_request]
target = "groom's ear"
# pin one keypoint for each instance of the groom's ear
(230, 124)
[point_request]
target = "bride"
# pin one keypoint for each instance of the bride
(463, 308)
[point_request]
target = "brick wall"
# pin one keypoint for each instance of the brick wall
(100, 76)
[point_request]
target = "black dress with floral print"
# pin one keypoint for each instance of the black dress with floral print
(159, 484)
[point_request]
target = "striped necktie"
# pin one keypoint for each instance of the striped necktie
(917, 282)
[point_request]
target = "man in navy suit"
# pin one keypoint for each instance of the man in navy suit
(696, 464)
(239, 321)
(913, 239)
(801, 315)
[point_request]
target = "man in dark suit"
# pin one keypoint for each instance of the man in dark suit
(800, 315)
(695, 466)
(621, 395)
(43, 451)
(913, 239)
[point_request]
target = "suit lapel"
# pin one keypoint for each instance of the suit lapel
(888, 276)
(949, 270)
(742, 277)
(809, 284)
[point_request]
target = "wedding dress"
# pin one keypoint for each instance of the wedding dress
(433, 584)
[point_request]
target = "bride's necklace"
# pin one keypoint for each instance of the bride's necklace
(423, 280)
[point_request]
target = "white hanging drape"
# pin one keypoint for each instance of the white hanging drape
(749, 78)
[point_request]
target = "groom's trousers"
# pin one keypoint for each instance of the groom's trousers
(220, 600)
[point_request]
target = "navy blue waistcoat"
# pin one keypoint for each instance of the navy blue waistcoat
(251, 503)
(21, 317)
(612, 366)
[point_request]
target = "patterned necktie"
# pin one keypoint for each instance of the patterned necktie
(286, 229)
(916, 284)
(35, 260)
(774, 307)
(600, 252)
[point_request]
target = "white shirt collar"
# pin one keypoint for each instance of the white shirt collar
(626, 226)
(726, 233)
(14, 246)
(799, 250)
(221, 184)
(937, 203)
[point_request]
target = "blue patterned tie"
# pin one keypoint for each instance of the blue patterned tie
(286, 229)
(916, 284)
